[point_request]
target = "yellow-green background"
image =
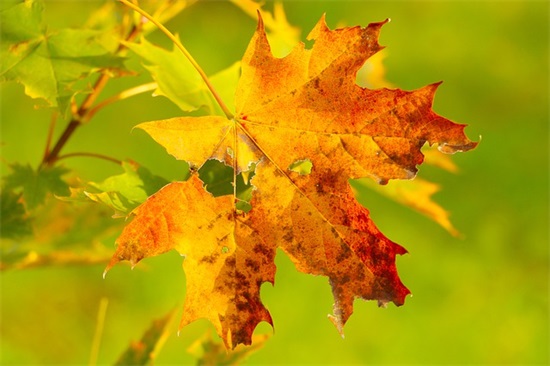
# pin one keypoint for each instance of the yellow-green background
(482, 299)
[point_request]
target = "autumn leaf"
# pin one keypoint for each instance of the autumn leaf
(305, 107)
(416, 194)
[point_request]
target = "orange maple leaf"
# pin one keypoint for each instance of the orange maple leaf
(303, 107)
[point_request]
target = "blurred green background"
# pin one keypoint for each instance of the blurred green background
(479, 299)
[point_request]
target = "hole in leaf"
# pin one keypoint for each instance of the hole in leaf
(245, 189)
(243, 206)
(308, 44)
(217, 177)
(302, 167)
(225, 249)
(218, 180)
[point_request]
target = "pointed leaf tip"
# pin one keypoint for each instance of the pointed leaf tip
(337, 323)
(378, 25)
(260, 27)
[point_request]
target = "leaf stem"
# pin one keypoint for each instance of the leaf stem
(49, 138)
(186, 53)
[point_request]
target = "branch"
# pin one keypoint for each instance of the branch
(91, 155)
(80, 115)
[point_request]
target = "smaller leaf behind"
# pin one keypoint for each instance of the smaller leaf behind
(110, 13)
(122, 192)
(283, 36)
(36, 184)
(144, 351)
(14, 221)
(414, 194)
(178, 80)
(211, 353)
(62, 234)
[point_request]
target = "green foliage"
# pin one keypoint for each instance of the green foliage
(178, 80)
(49, 62)
(36, 184)
(122, 192)
(13, 218)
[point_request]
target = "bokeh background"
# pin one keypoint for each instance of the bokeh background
(478, 299)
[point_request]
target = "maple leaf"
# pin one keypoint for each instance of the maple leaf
(14, 221)
(62, 234)
(36, 184)
(48, 63)
(171, 70)
(303, 108)
(122, 192)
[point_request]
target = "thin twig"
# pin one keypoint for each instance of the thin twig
(55, 115)
(90, 155)
(104, 78)
(120, 96)
(186, 53)
(90, 99)
(80, 114)
(52, 156)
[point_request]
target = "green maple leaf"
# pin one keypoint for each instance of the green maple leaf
(36, 184)
(178, 81)
(14, 221)
(122, 192)
(54, 233)
(47, 62)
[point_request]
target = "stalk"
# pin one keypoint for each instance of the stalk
(186, 53)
